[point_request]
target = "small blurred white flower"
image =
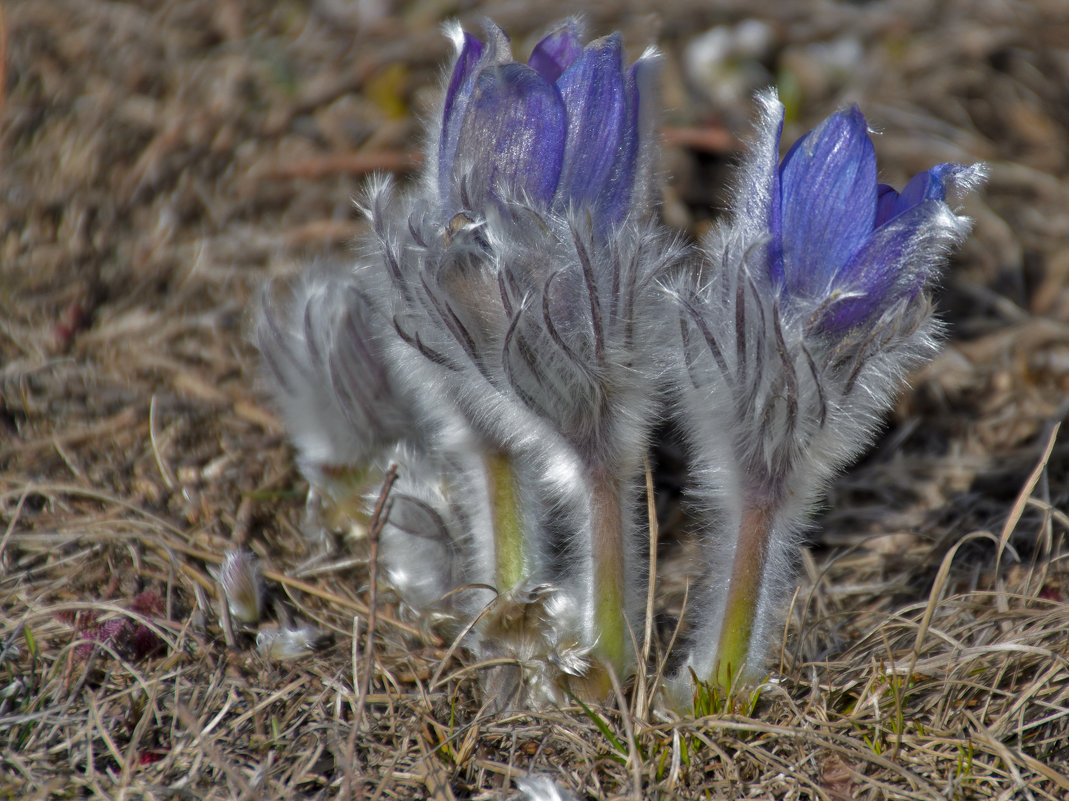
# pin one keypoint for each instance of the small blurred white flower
(284, 644)
(242, 585)
(540, 787)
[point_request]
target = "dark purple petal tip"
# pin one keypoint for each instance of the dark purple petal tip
(557, 51)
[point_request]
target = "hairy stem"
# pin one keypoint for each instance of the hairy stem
(512, 560)
(607, 554)
(744, 592)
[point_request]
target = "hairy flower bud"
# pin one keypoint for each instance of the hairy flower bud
(843, 243)
(562, 131)
(796, 335)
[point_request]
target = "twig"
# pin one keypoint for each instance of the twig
(629, 730)
(14, 521)
(1026, 492)
(706, 139)
(169, 479)
(641, 690)
(378, 520)
(358, 163)
(351, 788)
(436, 679)
(675, 633)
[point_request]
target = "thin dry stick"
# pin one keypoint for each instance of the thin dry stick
(675, 633)
(641, 690)
(3, 58)
(897, 694)
(352, 163)
(786, 630)
(629, 730)
(436, 679)
(936, 594)
(14, 521)
(1026, 493)
(350, 787)
(168, 476)
(133, 747)
(378, 520)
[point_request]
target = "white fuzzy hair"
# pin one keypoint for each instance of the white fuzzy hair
(323, 341)
(528, 336)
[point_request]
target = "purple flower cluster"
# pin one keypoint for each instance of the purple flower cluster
(520, 325)
(559, 132)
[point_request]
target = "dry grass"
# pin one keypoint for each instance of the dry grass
(159, 160)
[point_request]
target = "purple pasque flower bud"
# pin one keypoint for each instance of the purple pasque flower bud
(563, 131)
(843, 242)
(795, 337)
(522, 277)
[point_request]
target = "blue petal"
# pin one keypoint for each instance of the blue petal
(884, 270)
(927, 185)
(600, 150)
(456, 102)
(620, 189)
(512, 141)
(556, 52)
(885, 203)
(828, 201)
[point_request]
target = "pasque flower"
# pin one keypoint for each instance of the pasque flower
(493, 342)
(796, 334)
(522, 277)
(518, 324)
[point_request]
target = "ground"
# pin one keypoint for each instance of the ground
(159, 161)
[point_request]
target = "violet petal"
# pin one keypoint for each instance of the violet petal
(884, 270)
(828, 201)
(456, 102)
(513, 136)
(600, 143)
(556, 52)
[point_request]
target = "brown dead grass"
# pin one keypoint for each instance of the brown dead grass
(159, 160)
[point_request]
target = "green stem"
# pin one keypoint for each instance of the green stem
(510, 551)
(607, 552)
(740, 611)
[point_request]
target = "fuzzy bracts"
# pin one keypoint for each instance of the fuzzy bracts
(519, 323)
